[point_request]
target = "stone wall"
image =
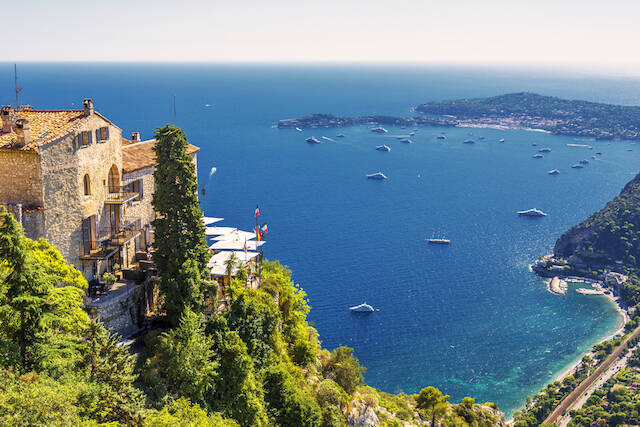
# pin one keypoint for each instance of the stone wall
(63, 166)
(30, 219)
(142, 208)
(20, 179)
(122, 313)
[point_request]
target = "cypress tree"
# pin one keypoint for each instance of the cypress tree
(180, 247)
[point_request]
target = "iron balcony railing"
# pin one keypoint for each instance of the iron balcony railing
(119, 194)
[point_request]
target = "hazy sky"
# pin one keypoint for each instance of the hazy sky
(603, 32)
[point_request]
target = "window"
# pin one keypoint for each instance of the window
(102, 134)
(137, 187)
(84, 138)
(86, 185)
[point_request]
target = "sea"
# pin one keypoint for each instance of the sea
(469, 318)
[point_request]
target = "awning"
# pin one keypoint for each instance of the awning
(210, 220)
(218, 231)
(236, 245)
(221, 257)
(235, 235)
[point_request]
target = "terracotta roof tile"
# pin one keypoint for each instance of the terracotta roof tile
(140, 155)
(46, 125)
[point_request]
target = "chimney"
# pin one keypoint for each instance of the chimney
(135, 136)
(88, 106)
(6, 113)
(23, 132)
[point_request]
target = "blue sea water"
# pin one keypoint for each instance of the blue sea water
(469, 318)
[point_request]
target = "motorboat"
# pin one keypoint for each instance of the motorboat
(537, 156)
(362, 308)
(469, 141)
(534, 145)
(532, 212)
(340, 135)
(435, 241)
(545, 150)
(326, 138)
(406, 141)
(584, 162)
(383, 148)
(501, 140)
(377, 175)
(441, 137)
(299, 130)
(313, 140)
(379, 129)
(553, 172)
(577, 166)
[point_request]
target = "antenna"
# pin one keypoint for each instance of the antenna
(174, 108)
(15, 74)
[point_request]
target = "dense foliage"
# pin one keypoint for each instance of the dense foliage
(180, 247)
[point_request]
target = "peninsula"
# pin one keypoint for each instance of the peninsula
(522, 110)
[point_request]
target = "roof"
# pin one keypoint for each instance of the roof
(46, 126)
(140, 155)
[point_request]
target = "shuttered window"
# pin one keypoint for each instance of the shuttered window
(102, 134)
(137, 187)
(85, 138)
(89, 234)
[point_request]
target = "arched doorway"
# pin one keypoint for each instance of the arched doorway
(114, 179)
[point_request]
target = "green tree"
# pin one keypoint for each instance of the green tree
(343, 368)
(289, 406)
(429, 399)
(180, 248)
(182, 412)
(185, 360)
(237, 392)
(40, 301)
(110, 369)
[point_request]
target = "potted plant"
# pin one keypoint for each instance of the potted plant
(109, 280)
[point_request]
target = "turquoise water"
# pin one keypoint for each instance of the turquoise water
(469, 318)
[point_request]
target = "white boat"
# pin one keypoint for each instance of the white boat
(553, 172)
(481, 138)
(584, 162)
(545, 150)
(362, 308)
(532, 212)
(577, 166)
(469, 141)
(326, 138)
(537, 156)
(379, 129)
(383, 148)
(501, 140)
(313, 140)
(441, 137)
(377, 175)
(406, 141)
(340, 135)
(435, 241)
(299, 130)
(534, 145)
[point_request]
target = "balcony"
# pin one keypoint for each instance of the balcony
(129, 230)
(119, 194)
(103, 250)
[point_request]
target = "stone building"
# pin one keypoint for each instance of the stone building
(70, 177)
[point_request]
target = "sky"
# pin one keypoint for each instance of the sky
(603, 33)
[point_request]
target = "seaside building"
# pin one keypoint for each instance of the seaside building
(70, 177)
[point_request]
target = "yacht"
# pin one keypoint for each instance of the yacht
(377, 175)
(326, 138)
(362, 308)
(501, 140)
(379, 129)
(545, 150)
(577, 166)
(383, 148)
(553, 172)
(435, 241)
(468, 141)
(299, 130)
(313, 140)
(532, 212)
(537, 156)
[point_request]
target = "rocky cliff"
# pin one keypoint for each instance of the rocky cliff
(609, 235)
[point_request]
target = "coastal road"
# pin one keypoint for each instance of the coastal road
(573, 397)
